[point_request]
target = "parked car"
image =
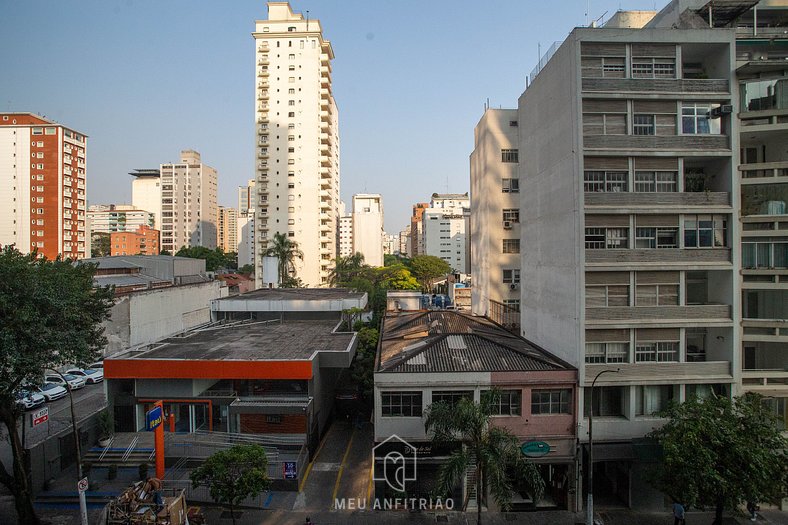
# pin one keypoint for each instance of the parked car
(28, 399)
(51, 391)
(98, 365)
(75, 382)
(91, 376)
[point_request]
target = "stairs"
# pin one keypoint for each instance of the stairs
(123, 451)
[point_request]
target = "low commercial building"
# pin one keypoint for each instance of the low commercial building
(430, 356)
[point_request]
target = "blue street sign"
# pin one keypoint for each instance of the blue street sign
(153, 418)
(535, 449)
(289, 470)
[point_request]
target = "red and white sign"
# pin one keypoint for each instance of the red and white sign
(82, 485)
(40, 416)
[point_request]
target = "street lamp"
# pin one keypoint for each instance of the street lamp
(590, 503)
(83, 508)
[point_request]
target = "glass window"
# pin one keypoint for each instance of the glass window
(607, 353)
(643, 125)
(451, 397)
(657, 352)
(509, 155)
(608, 401)
(509, 403)
(605, 181)
(511, 215)
(652, 399)
(656, 181)
(705, 231)
(511, 246)
(403, 404)
(696, 119)
(656, 237)
(607, 295)
(551, 401)
(511, 276)
(510, 185)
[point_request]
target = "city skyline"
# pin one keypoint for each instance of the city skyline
(141, 95)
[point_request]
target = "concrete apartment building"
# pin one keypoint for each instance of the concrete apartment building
(495, 217)
(416, 229)
(109, 218)
(444, 227)
(346, 235)
(146, 193)
(404, 241)
(246, 198)
(142, 241)
(189, 211)
(297, 138)
(390, 243)
(368, 227)
(228, 229)
(629, 227)
(43, 183)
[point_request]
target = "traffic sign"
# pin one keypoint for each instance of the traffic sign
(82, 485)
(290, 469)
(153, 418)
(40, 416)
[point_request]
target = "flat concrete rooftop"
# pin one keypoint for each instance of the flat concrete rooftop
(297, 294)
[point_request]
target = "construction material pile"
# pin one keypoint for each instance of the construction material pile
(148, 503)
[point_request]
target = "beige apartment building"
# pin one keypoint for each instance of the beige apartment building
(495, 218)
(368, 231)
(629, 228)
(297, 138)
(228, 229)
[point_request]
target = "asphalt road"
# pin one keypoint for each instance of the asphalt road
(87, 401)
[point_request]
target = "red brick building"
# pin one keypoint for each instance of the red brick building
(144, 241)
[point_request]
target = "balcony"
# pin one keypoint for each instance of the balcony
(764, 172)
(651, 200)
(325, 93)
(263, 73)
(656, 314)
(645, 373)
(660, 256)
(628, 143)
(765, 330)
(658, 85)
(263, 62)
(325, 173)
(262, 94)
(262, 153)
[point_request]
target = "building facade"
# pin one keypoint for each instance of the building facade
(495, 215)
(189, 210)
(416, 229)
(146, 193)
(444, 227)
(142, 241)
(297, 138)
(346, 236)
(629, 259)
(228, 229)
(368, 227)
(109, 218)
(246, 198)
(43, 186)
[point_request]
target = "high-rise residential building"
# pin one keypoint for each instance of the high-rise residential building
(495, 213)
(189, 212)
(143, 240)
(109, 218)
(228, 229)
(43, 183)
(444, 227)
(246, 242)
(629, 229)
(390, 243)
(297, 137)
(246, 198)
(146, 192)
(346, 235)
(368, 227)
(416, 229)
(404, 241)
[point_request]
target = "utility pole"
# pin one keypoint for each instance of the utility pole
(590, 503)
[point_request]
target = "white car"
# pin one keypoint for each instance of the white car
(74, 382)
(91, 376)
(28, 400)
(98, 365)
(51, 391)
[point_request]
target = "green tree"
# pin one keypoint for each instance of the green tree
(363, 367)
(286, 251)
(233, 475)
(346, 269)
(428, 268)
(214, 259)
(393, 260)
(246, 269)
(100, 244)
(493, 451)
(397, 277)
(720, 452)
(50, 316)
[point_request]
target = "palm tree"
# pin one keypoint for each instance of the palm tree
(346, 269)
(286, 251)
(493, 451)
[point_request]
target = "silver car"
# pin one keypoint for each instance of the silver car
(73, 382)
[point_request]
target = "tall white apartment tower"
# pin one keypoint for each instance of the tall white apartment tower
(297, 137)
(368, 227)
(189, 211)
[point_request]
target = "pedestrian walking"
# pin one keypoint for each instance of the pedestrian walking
(678, 514)
(752, 508)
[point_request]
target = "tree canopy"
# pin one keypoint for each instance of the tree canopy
(494, 451)
(428, 268)
(233, 475)
(286, 251)
(50, 316)
(720, 452)
(215, 259)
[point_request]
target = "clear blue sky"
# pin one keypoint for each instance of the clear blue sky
(145, 79)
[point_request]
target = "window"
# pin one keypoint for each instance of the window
(656, 237)
(705, 231)
(696, 345)
(509, 403)
(606, 238)
(291, 114)
(609, 67)
(696, 119)
(652, 399)
(657, 295)
(512, 304)
(452, 397)
(607, 353)
(657, 352)
(291, 80)
(608, 401)
(291, 102)
(607, 295)
(656, 181)
(511, 246)
(604, 181)
(50, 131)
(38, 131)
(510, 185)
(551, 401)
(401, 404)
(511, 276)
(643, 125)
(604, 123)
(512, 123)
(509, 155)
(768, 254)
(511, 215)
(646, 67)
(291, 56)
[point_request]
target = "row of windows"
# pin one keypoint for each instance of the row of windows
(409, 403)
(649, 400)
(700, 231)
(640, 67)
(645, 295)
(645, 352)
(695, 119)
(595, 181)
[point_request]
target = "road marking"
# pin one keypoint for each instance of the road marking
(309, 467)
(371, 473)
(341, 468)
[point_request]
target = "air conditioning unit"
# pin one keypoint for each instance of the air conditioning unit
(725, 109)
(507, 225)
(514, 286)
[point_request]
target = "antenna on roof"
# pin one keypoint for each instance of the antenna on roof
(307, 19)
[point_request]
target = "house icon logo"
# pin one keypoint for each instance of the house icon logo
(398, 462)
